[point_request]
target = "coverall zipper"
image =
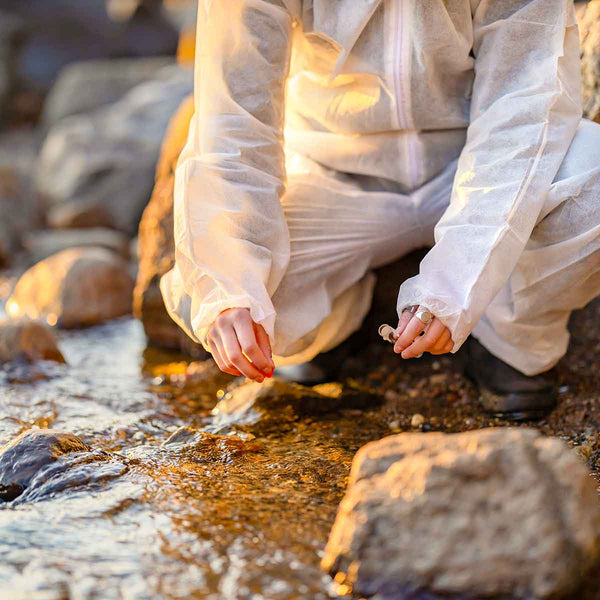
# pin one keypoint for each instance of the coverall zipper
(402, 84)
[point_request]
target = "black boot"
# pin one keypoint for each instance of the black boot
(325, 366)
(506, 392)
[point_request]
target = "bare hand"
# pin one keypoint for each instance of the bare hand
(436, 340)
(240, 346)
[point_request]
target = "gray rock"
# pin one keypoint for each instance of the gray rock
(19, 212)
(27, 339)
(74, 288)
(92, 34)
(589, 33)
(42, 244)
(108, 157)
(482, 513)
(22, 458)
(85, 86)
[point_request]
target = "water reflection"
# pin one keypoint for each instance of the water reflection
(242, 515)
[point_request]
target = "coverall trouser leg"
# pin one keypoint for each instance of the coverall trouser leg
(340, 231)
(559, 270)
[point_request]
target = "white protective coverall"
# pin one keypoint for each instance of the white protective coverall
(405, 122)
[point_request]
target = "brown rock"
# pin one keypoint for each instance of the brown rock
(74, 288)
(482, 513)
(589, 33)
(28, 339)
(156, 249)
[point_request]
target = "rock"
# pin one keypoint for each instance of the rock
(74, 288)
(482, 513)
(18, 213)
(156, 245)
(85, 86)
(273, 405)
(42, 244)
(79, 215)
(417, 420)
(27, 339)
(108, 157)
(92, 34)
(22, 458)
(589, 34)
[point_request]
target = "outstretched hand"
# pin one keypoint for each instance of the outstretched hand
(409, 343)
(240, 346)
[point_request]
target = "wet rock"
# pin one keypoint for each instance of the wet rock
(274, 403)
(29, 340)
(108, 157)
(22, 458)
(74, 288)
(85, 86)
(92, 33)
(156, 246)
(203, 447)
(18, 213)
(589, 33)
(482, 513)
(44, 243)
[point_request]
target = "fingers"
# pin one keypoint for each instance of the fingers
(411, 331)
(265, 345)
(405, 318)
(246, 335)
(234, 357)
(440, 346)
(421, 344)
(217, 352)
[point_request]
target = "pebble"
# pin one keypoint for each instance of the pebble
(417, 420)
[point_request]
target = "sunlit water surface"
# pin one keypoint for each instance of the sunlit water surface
(215, 519)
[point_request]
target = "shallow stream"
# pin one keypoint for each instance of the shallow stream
(232, 508)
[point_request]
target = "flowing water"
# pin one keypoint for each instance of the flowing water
(177, 500)
(241, 514)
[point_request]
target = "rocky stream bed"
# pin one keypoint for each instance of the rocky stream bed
(235, 506)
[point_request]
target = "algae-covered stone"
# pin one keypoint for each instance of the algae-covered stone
(482, 513)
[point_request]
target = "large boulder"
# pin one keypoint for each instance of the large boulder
(74, 288)
(29, 340)
(156, 245)
(589, 32)
(107, 157)
(85, 86)
(479, 514)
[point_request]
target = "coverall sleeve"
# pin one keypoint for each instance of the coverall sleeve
(231, 238)
(524, 113)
